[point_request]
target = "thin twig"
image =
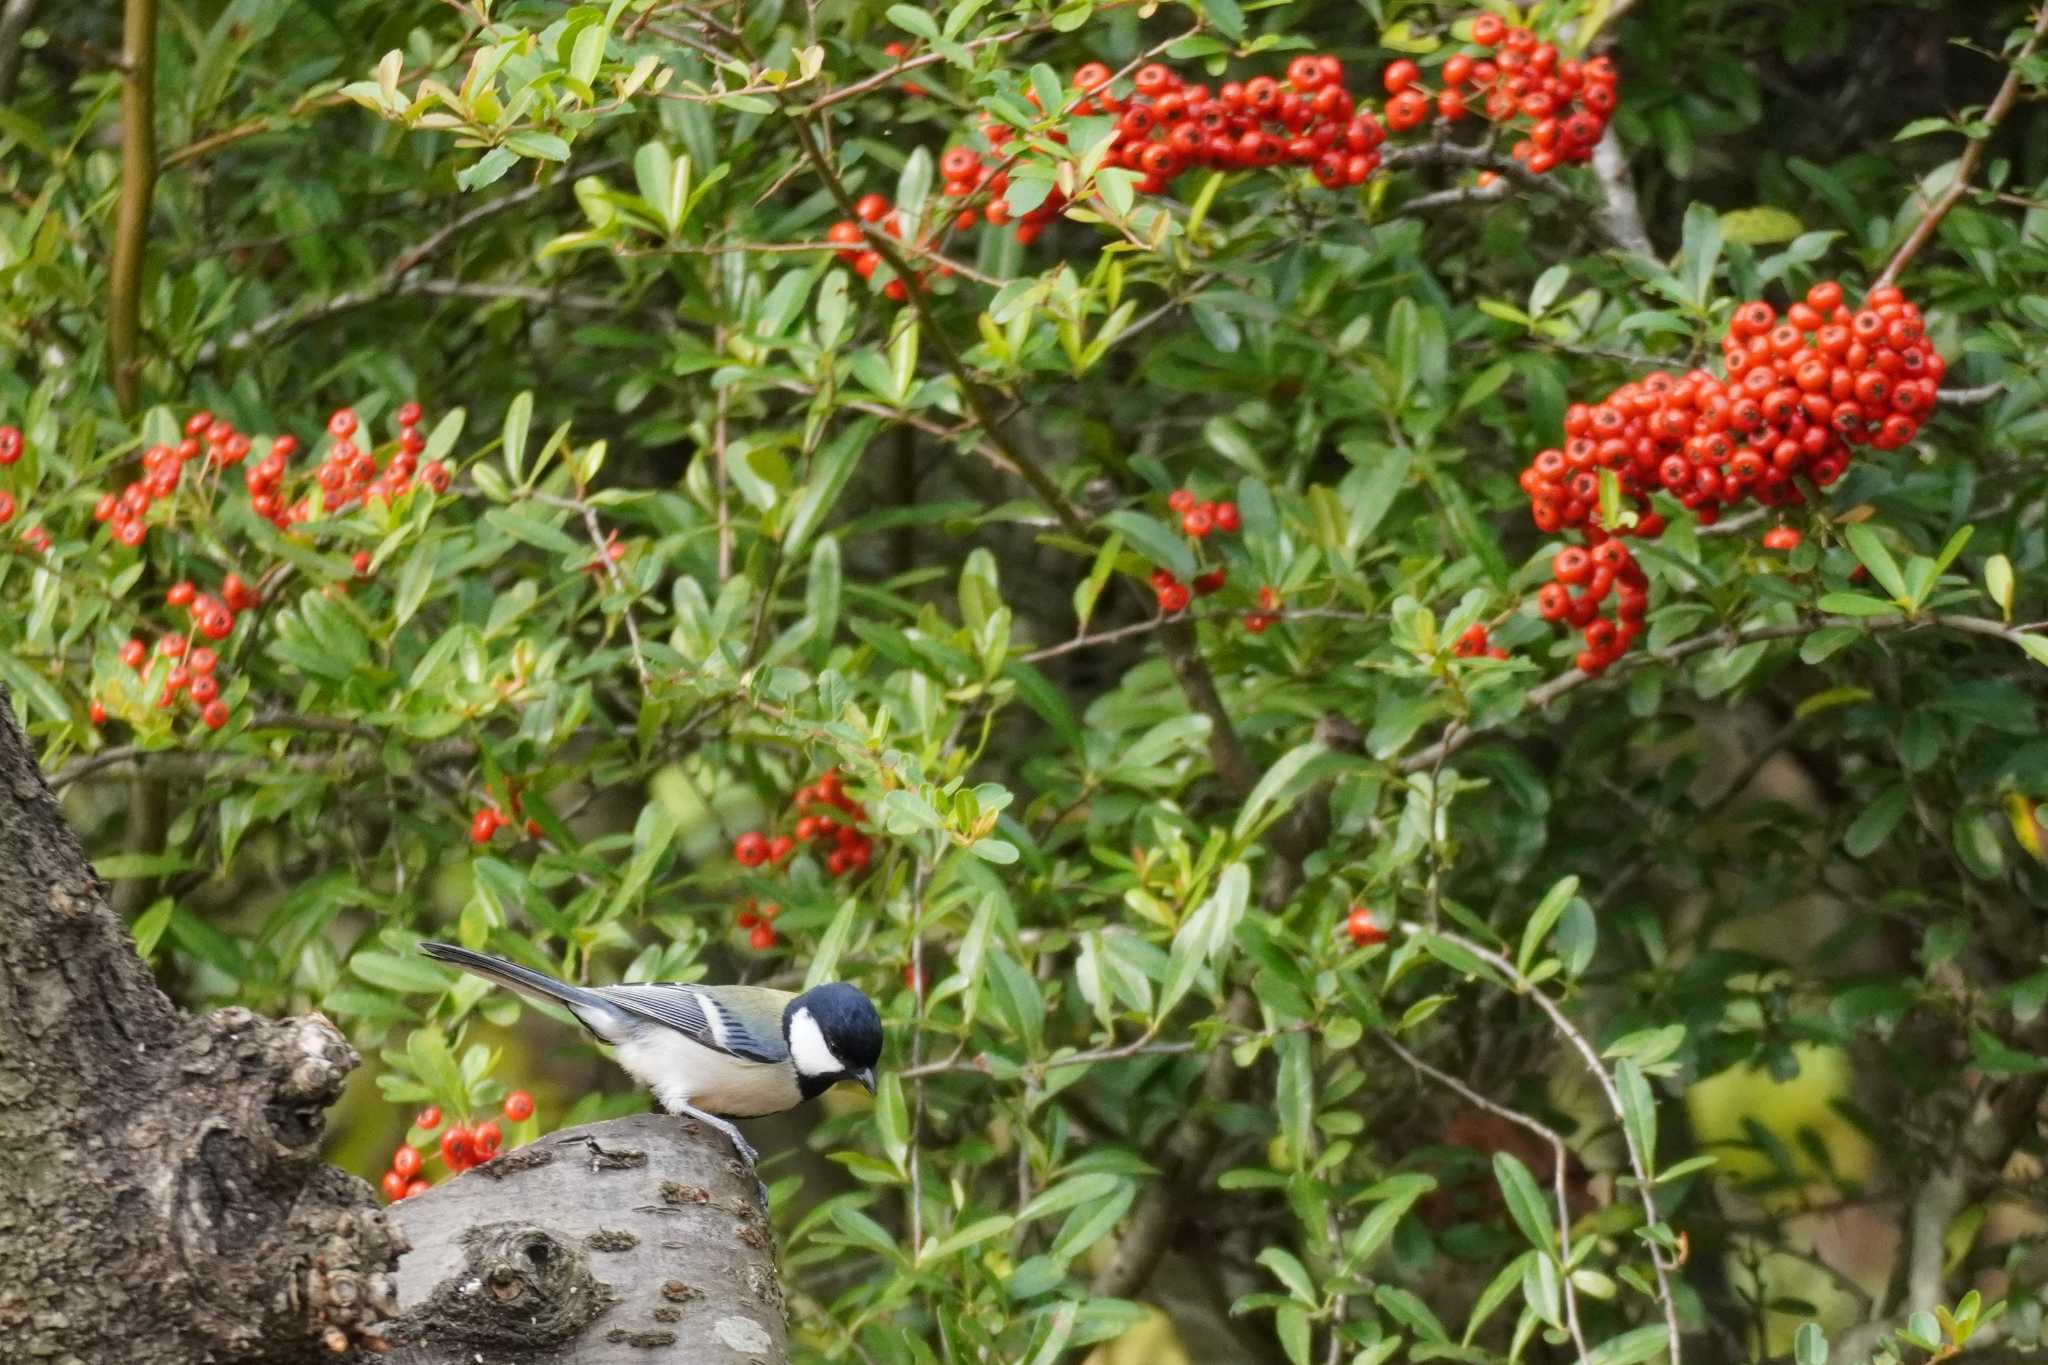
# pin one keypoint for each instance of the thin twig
(2001, 105)
(1591, 1056)
(610, 569)
(1150, 624)
(1560, 1156)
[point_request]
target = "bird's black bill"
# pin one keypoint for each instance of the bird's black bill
(866, 1078)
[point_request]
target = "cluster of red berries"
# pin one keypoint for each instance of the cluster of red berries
(461, 1147)
(1198, 521)
(35, 537)
(1476, 643)
(847, 848)
(189, 669)
(1166, 126)
(485, 823)
(1608, 569)
(1565, 104)
(1801, 393)
(758, 919)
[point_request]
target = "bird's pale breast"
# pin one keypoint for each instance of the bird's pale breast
(682, 1072)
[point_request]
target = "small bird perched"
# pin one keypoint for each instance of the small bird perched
(713, 1053)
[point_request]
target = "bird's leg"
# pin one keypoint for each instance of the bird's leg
(740, 1145)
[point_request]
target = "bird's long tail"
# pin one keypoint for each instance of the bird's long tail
(592, 1010)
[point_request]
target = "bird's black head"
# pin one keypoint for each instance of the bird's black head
(835, 1034)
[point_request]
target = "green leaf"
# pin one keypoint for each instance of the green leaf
(1876, 823)
(1638, 1111)
(1863, 542)
(1291, 1273)
(406, 975)
(1809, 1343)
(1205, 935)
(1543, 917)
(488, 169)
(1525, 1201)
(1760, 226)
(1856, 604)
(1151, 538)
(1998, 583)
(1631, 1347)
(1264, 801)
(518, 417)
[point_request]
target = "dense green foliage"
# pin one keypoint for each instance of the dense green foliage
(1793, 831)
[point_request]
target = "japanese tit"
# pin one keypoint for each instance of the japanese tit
(713, 1053)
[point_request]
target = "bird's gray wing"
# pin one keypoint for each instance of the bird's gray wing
(740, 1021)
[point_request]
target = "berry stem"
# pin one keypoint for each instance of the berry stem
(2001, 105)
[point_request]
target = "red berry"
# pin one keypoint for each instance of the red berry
(751, 849)
(486, 1139)
(871, 208)
(360, 562)
(1488, 29)
(106, 507)
(1198, 521)
(201, 660)
(6, 508)
(406, 1162)
(1209, 582)
(1227, 517)
(1173, 598)
(98, 712)
(1363, 928)
(519, 1106)
(181, 593)
(1400, 75)
(216, 713)
(134, 653)
(408, 414)
(764, 937)
(342, 424)
(204, 688)
(130, 533)
(1181, 499)
(456, 1149)
(10, 444)
(483, 825)
(417, 1187)
(1782, 538)
(393, 1186)
(428, 1119)
(779, 847)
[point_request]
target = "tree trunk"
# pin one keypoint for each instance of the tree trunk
(162, 1197)
(637, 1240)
(163, 1201)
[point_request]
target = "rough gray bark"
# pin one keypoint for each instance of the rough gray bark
(162, 1197)
(635, 1240)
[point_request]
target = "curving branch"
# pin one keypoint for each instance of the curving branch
(1590, 1055)
(2001, 105)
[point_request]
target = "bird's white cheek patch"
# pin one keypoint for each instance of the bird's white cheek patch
(808, 1048)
